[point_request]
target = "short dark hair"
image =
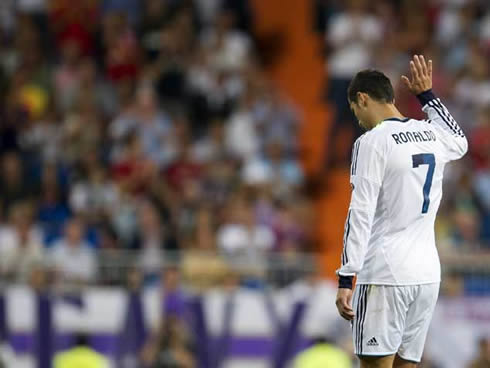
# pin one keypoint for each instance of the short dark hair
(374, 83)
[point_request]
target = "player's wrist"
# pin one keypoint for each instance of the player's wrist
(345, 282)
(425, 96)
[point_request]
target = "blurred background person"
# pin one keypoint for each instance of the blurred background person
(80, 355)
(21, 244)
(171, 347)
(72, 257)
(322, 354)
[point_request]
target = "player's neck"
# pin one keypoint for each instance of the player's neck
(384, 112)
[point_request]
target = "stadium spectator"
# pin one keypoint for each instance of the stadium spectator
(72, 257)
(228, 48)
(122, 52)
(52, 211)
(201, 267)
(94, 196)
(172, 346)
(473, 88)
(351, 37)
(44, 139)
(174, 300)
(112, 259)
(480, 152)
(156, 15)
(211, 147)
(151, 125)
(21, 244)
(183, 168)
(466, 216)
(152, 239)
(12, 186)
(274, 168)
(67, 75)
(277, 120)
(244, 241)
(242, 137)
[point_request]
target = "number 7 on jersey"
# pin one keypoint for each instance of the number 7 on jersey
(425, 159)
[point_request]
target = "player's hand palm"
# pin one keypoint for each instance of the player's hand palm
(421, 75)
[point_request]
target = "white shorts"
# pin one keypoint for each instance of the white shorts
(393, 319)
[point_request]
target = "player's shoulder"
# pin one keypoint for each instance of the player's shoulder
(375, 137)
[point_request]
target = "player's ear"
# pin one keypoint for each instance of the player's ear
(362, 99)
(358, 98)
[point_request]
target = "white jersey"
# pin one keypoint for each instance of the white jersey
(396, 178)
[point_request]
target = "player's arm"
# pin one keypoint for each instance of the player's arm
(420, 85)
(367, 171)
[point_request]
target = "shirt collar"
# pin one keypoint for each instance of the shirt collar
(404, 120)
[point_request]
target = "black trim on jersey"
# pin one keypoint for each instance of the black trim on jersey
(345, 258)
(437, 104)
(441, 110)
(443, 116)
(454, 124)
(428, 98)
(352, 158)
(355, 155)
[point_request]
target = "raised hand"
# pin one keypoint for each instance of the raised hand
(421, 75)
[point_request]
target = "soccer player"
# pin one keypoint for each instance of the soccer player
(396, 178)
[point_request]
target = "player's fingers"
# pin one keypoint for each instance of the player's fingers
(407, 82)
(346, 305)
(346, 310)
(341, 311)
(347, 315)
(343, 305)
(424, 66)
(430, 69)
(412, 73)
(418, 65)
(413, 69)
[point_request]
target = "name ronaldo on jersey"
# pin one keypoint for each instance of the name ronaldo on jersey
(414, 136)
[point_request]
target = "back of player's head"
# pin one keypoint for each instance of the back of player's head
(374, 83)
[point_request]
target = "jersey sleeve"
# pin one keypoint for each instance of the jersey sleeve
(367, 172)
(453, 138)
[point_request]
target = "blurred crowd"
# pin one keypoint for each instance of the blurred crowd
(142, 133)
(150, 126)
(455, 34)
(145, 126)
